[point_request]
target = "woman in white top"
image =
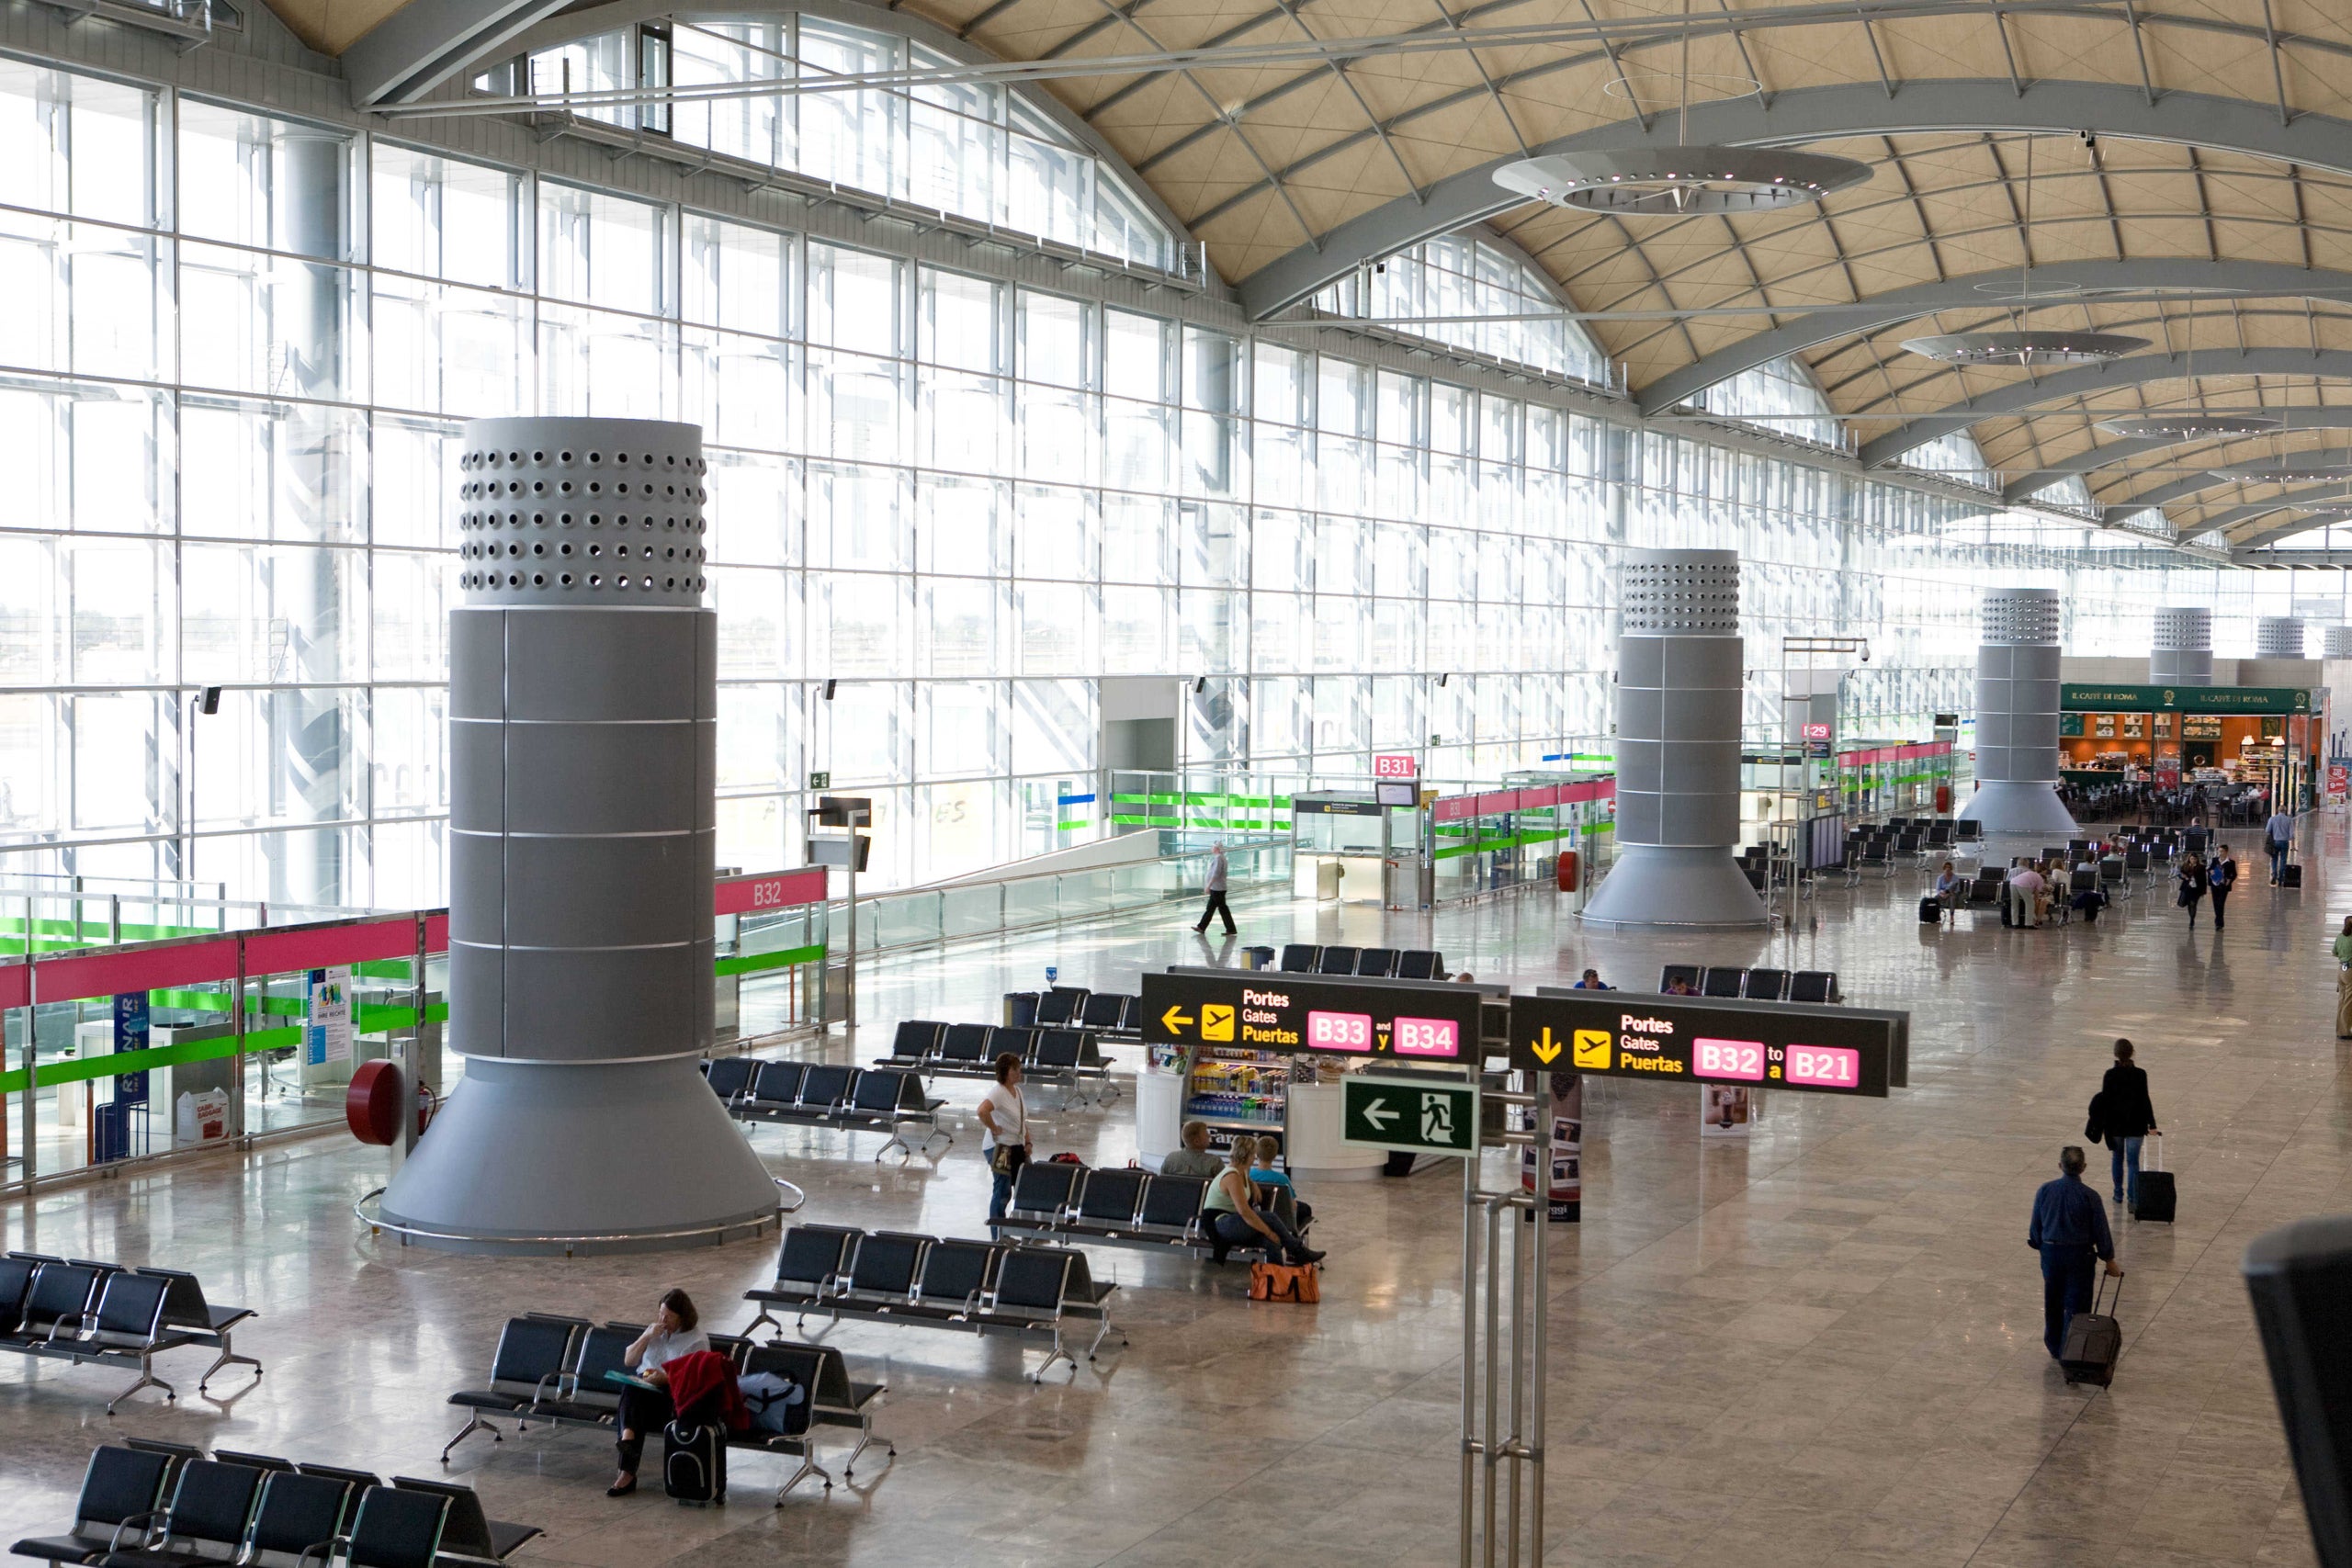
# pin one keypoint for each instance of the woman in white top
(675, 1331)
(1004, 1138)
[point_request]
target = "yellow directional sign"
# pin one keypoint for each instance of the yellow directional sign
(1217, 1022)
(1546, 1049)
(1591, 1047)
(1174, 1019)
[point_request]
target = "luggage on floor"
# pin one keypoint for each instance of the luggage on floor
(1931, 910)
(2291, 874)
(694, 1462)
(2157, 1194)
(1295, 1282)
(2093, 1340)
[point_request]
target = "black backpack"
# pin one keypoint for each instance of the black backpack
(694, 1462)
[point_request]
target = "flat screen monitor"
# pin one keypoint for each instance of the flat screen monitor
(1397, 793)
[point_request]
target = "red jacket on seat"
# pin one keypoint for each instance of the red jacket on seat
(699, 1376)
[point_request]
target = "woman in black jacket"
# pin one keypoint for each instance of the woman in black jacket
(2191, 879)
(2128, 1116)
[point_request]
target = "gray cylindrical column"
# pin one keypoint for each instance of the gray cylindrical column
(2017, 716)
(2180, 653)
(583, 724)
(2278, 636)
(2335, 642)
(1678, 746)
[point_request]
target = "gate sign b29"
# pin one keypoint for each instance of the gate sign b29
(1628, 1034)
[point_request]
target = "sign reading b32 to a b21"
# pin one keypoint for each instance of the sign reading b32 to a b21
(1270, 1010)
(1822, 1050)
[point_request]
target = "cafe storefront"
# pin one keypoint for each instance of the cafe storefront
(2175, 736)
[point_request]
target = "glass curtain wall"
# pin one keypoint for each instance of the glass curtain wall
(230, 382)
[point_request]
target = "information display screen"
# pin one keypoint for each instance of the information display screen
(1822, 1050)
(1266, 1010)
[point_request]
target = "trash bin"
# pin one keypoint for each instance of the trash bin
(1020, 1010)
(1327, 879)
(1257, 958)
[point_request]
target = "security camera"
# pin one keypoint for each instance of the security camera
(2089, 139)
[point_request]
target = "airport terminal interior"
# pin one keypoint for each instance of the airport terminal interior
(1119, 782)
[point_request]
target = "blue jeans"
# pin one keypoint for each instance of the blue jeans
(2065, 1290)
(2278, 859)
(1236, 1231)
(2127, 1170)
(1001, 1192)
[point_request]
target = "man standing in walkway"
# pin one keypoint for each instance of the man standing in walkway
(2277, 835)
(2069, 1229)
(1216, 904)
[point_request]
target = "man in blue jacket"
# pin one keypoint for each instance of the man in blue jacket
(2069, 1229)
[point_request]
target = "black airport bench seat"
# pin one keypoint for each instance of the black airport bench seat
(1757, 985)
(1113, 1206)
(969, 1286)
(1075, 1007)
(820, 1094)
(94, 1313)
(550, 1371)
(1069, 1057)
(1377, 962)
(151, 1504)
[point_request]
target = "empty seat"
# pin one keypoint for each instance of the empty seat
(955, 1274)
(1059, 1007)
(1720, 982)
(1021, 1043)
(207, 1518)
(1419, 964)
(778, 1083)
(1298, 958)
(1172, 1205)
(1337, 961)
(1111, 1196)
(1812, 986)
(297, 1512)
(825, 1085)
(878, 1092)
(1378, 962)
(883, 1267)
(1767, 985)
(467, 1533)
(1040, 1194)
(730, 1076)
(915, 1040)
(965, 1045)
(1103, 1009)
(118, 1485)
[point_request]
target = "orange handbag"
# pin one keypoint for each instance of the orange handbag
(1296, 1282)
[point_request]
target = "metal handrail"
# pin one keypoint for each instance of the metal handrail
(378, 1223)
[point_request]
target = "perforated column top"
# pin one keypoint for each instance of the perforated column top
(2278, 636)
(1681, 592)
(2187, 627)
(2025, 617)
(2337, 641)
(602, 512)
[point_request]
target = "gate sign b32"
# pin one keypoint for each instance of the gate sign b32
(1628, 1034)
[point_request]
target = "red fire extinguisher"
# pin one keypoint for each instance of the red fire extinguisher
(1943, 800)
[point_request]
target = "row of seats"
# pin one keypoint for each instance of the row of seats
(167, 1505)
(1377, 963)
(820, 1094)
(1075, 1007)
(976, 1287)
(94, 1313)
(1117, 1206)
(556, 1371)
(1757, 985)
(1069, 1057)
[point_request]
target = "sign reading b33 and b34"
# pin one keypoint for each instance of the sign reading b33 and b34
(1825, 1050)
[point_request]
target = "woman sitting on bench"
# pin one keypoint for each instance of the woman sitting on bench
(1238, 1218)
(673, 1333)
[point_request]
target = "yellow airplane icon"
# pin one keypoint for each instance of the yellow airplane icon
(1217, 1022)
(1590, 1049)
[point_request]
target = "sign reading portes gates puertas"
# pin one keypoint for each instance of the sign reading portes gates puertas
(1628, 1034)
(1268, 1011)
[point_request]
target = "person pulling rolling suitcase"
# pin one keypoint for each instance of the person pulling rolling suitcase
(2094, 1339)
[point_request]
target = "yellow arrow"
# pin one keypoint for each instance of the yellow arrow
(1175, 1018)
(1546, 1048)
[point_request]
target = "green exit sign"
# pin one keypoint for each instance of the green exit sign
(1417, 1115)
(820, 781)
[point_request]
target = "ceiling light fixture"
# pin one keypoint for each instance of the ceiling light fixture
(2019, 345)
(1684, 179)
(2025, 347)
(2191, 426)
(2285, 471)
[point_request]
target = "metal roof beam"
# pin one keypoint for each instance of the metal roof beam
(426, 42)
(2093, 458)
(1803, 115)
(2017, 397)
(2314, 496)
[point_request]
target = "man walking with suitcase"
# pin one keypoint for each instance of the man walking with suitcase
(2278, 837)
(2069, 1229)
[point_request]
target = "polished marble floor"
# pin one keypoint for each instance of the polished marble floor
(1822, 1347)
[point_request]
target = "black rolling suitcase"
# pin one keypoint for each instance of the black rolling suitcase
(694, 1462)
(1931, 910)
(2157, 1195)
(2093, 1340)
(2291, 874)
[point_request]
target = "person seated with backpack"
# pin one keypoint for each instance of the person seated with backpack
(1239, 1217)
(646, 1403)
